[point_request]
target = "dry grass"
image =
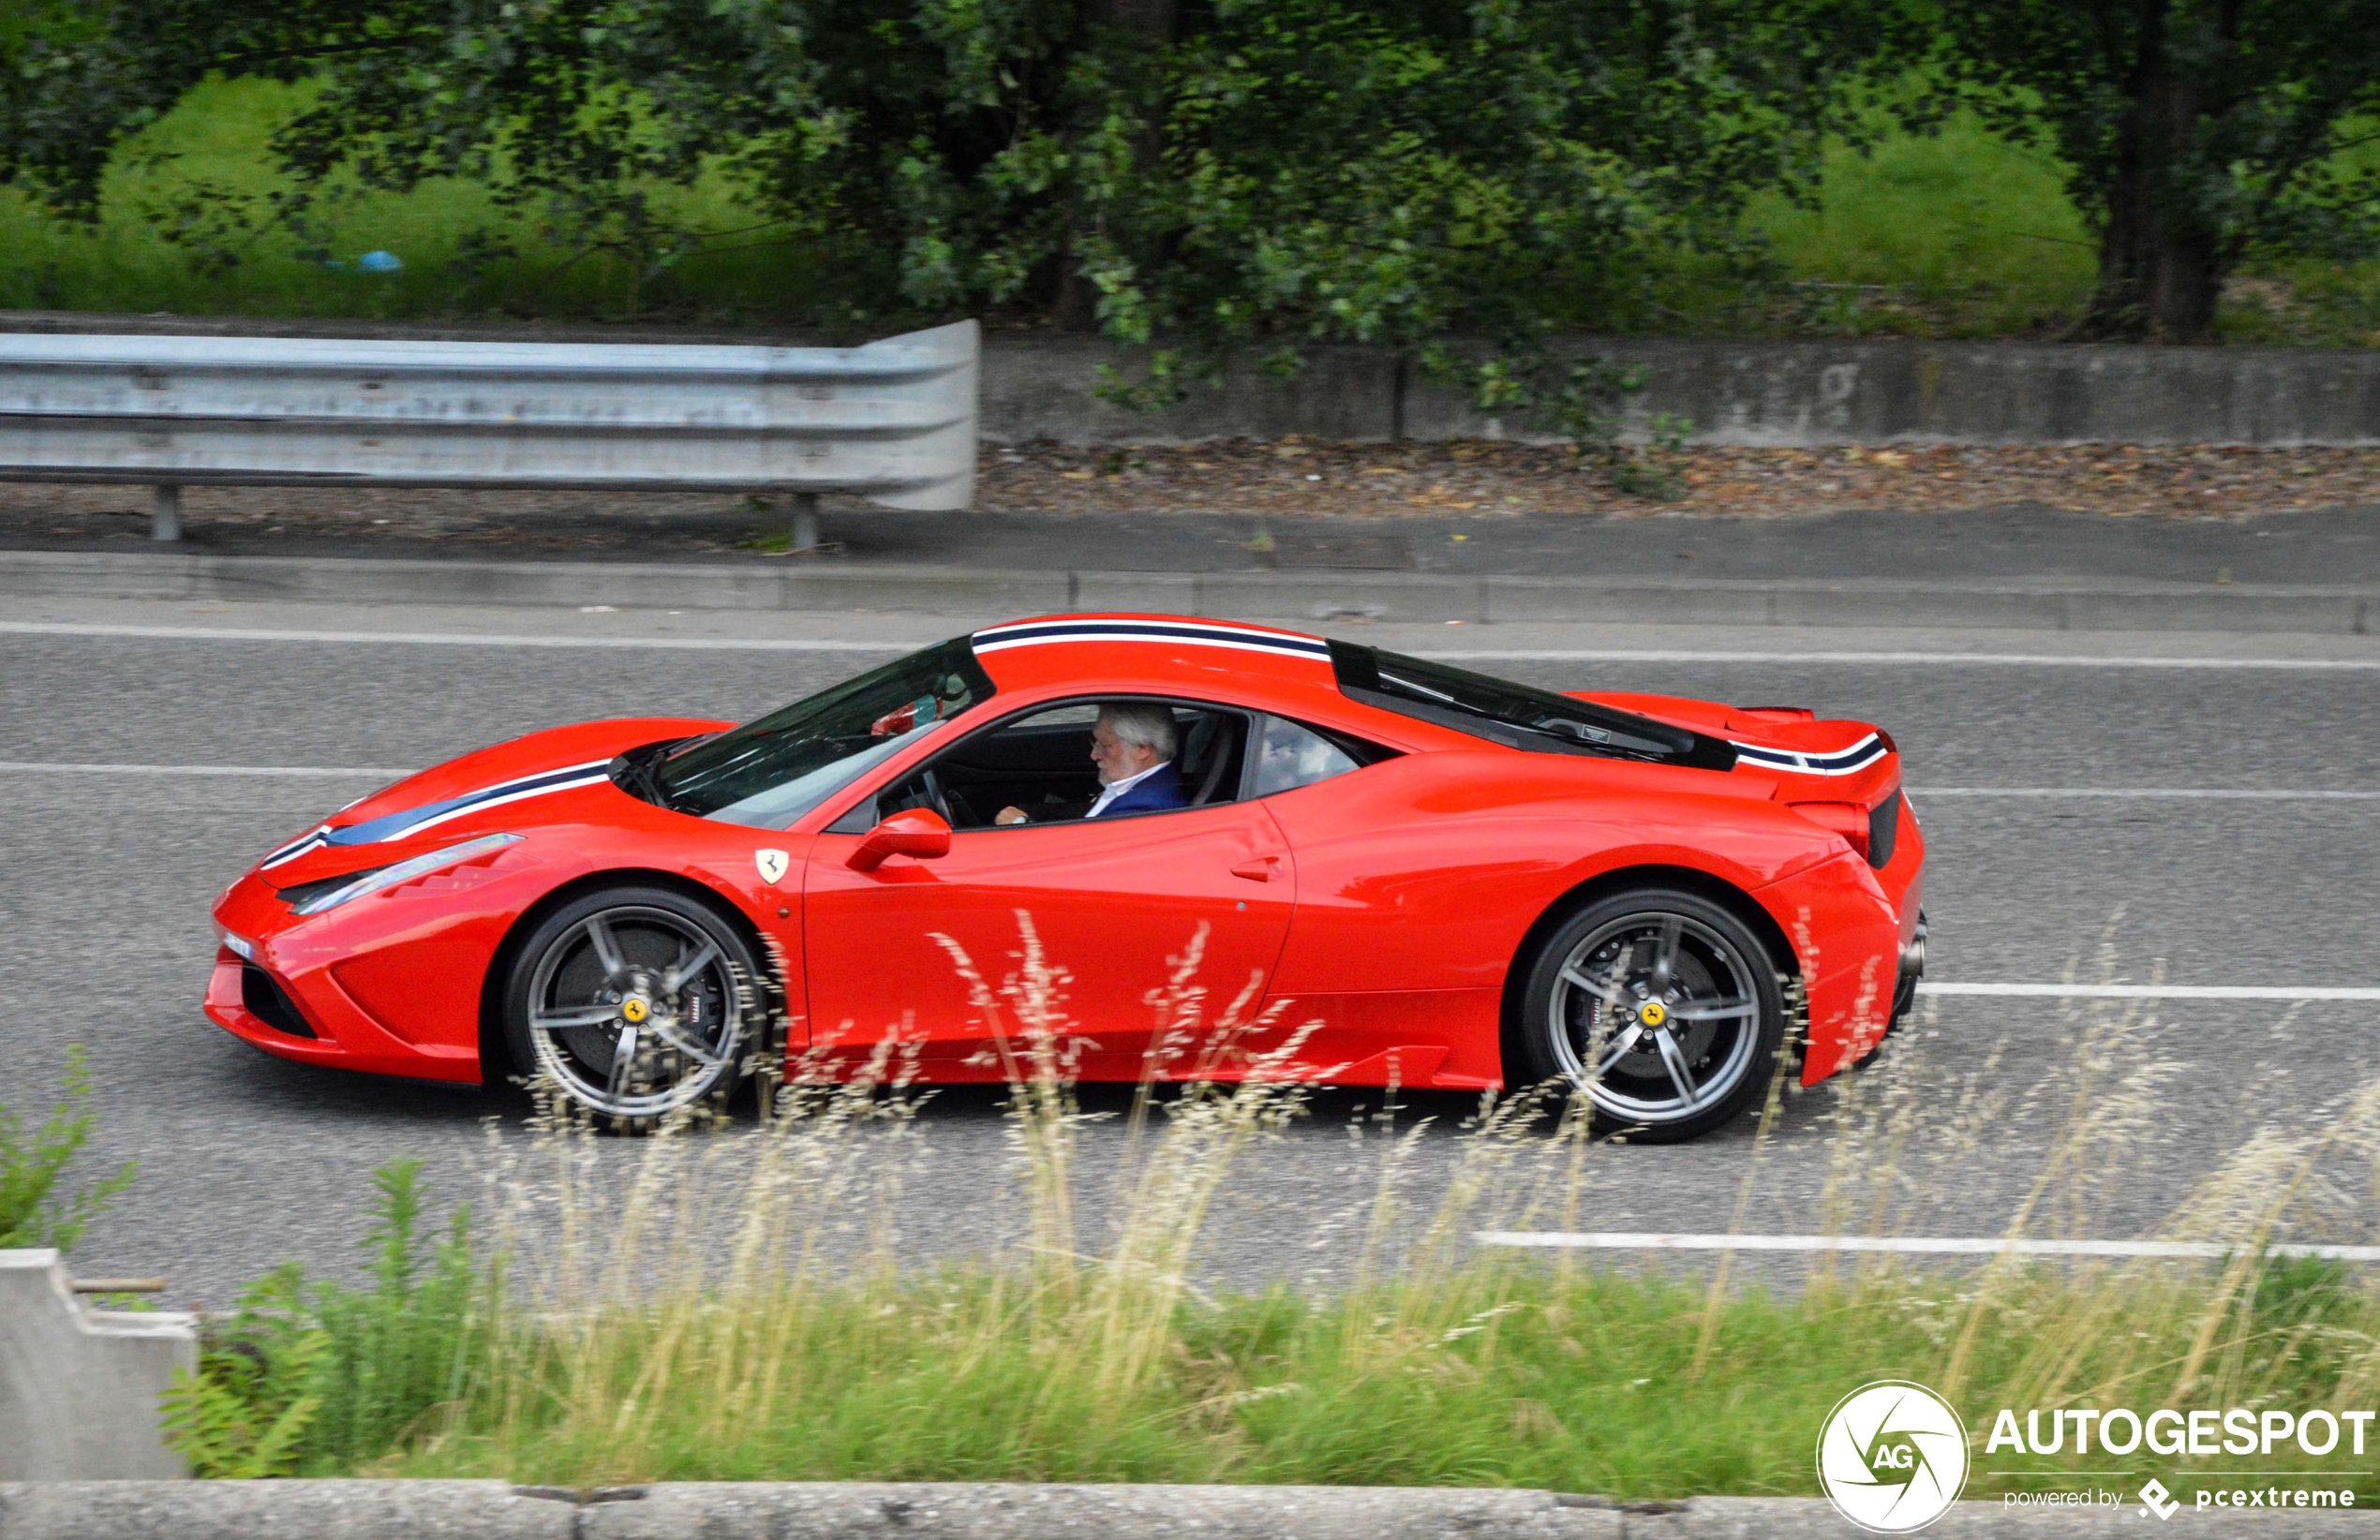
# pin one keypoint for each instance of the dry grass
(740, 1305)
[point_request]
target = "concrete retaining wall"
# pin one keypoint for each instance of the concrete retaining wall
(490, 1510)
(1781, 393)
(79, 1386)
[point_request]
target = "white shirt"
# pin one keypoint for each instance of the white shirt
(1115, 789)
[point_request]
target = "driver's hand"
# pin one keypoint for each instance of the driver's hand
(1010, 815)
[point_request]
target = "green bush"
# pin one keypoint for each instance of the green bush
(35, 1210)
(308, 1377)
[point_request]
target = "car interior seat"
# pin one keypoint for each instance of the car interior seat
(1206, 753)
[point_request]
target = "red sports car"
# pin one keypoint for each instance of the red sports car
(1465, 882)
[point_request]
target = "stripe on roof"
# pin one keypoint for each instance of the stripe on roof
(1037, 633)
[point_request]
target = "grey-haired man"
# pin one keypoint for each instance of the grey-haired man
(1134, 745)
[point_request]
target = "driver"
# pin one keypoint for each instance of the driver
(1133, 744)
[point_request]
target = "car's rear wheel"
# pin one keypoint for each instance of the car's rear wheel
(1661, 1006)
(635, 1002)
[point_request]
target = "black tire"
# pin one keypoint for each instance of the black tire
(681, 966)
(1720, 983)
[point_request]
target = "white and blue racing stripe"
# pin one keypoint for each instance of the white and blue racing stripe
(1040, 632)
(1845, 761)
(412, 821)
(312, 840)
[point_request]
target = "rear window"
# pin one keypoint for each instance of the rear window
(1516, 716)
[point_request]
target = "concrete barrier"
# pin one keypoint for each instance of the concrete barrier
(1799, 393)
(990, 1511)
(1774, 394)
(79, 1386)
(491, 1510)
(282, 1510)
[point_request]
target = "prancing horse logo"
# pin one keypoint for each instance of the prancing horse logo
(771, 863)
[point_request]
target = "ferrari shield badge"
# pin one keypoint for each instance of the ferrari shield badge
(771, 864)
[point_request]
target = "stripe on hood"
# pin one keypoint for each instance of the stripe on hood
(412, 821)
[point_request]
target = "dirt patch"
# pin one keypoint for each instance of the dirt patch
(1309, 477)
(1331, 481)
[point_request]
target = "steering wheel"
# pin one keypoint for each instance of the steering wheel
(941, 799)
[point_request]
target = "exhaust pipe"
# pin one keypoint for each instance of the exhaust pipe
(1913, 957)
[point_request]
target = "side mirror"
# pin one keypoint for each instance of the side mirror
(918, 832)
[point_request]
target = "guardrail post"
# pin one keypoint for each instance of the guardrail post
(805, 521)
(165, 514)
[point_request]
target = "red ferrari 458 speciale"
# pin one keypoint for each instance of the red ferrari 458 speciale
(1417, 873)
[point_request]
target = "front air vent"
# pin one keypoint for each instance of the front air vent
(1883, 822)
(296, 897)
(265, 1001)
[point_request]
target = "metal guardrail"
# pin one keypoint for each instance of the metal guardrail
(894, 421)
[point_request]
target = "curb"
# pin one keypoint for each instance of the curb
(496, 1510)
(2030, 604)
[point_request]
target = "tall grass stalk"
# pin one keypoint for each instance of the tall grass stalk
(738, 1302)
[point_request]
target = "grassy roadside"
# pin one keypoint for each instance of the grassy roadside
(1954, 236)
(739, 1305)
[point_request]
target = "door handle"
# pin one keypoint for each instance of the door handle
(1264, 868)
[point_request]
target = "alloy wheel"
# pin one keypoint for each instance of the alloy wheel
(635, 1010)
(1656, 1016)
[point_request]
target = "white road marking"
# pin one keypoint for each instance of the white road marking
(311, 772)
(449, 639)
(1548, 655)
(2142, 791)
(2149, 991)
(2006, 659)
(72, 767)
(1633, 1240)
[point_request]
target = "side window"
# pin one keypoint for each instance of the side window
(1040, 767)
(1290, 755)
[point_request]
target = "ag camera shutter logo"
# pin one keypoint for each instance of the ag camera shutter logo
(1892, 1456)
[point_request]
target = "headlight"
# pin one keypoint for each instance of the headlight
(405, 871)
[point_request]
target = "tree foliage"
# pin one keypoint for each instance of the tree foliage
(2195, 133)
(1251, 171)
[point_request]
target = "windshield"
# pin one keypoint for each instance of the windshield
(1517, 716)
(770, 772)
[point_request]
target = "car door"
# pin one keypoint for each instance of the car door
(1113, 912)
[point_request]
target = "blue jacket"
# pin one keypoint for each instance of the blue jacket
(1160, 791)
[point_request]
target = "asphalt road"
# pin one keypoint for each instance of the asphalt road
(245, 1161)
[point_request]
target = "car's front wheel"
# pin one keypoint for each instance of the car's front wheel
(636, 1003)
(1662, 1007)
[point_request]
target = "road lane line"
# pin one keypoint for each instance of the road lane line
(2147, 991)
(2142, 791)
(2009, 659)
(1648, 1240)
(1582, 655)
(311, 772)
(85, 768)
(447, 639)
